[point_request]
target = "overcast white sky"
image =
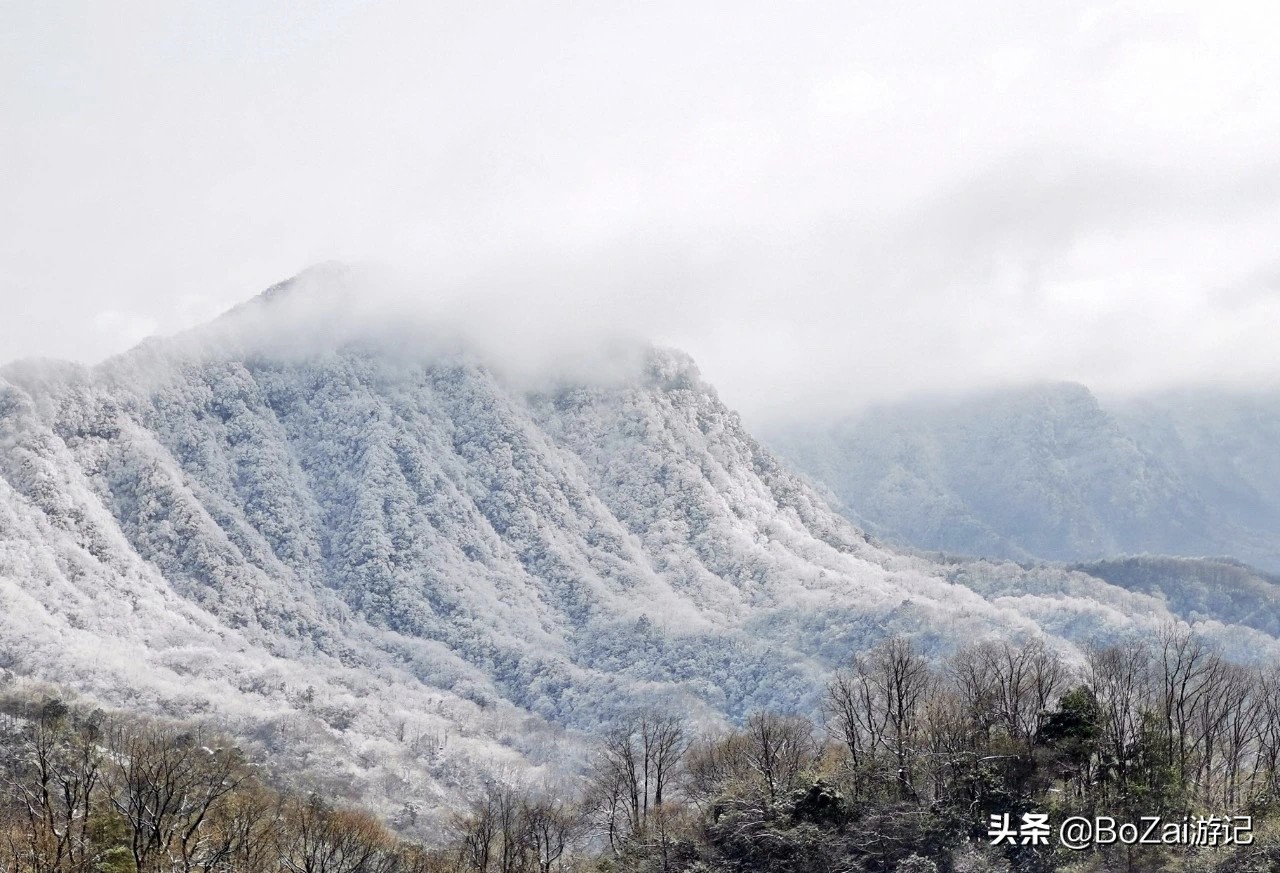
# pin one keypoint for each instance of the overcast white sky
(824, 203)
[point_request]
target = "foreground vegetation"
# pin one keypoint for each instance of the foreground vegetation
(903, 772)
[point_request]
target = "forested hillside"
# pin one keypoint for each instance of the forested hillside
(1050, 472)
(404, 574)
(983, 762)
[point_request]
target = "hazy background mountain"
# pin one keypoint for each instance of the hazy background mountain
(1049, 471)
(398, 570)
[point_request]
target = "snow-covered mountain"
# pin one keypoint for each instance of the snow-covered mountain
(1050, 472)
(1223, 445)
(398, 571)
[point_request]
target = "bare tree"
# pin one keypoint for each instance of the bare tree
(1266, 770)
(1187, 668)
(551, 826)
(638, 763)
(60, 766)
(1120, 679)
(712, 764)
(951, 740)
(165, 783)
(971, 676)
(851, 718)
(1009, 686)
(478, 831)
(248, 834)
(874, 706)
(779, 748)
(1240, 732)
(328, 840)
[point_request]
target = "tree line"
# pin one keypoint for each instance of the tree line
(902, 771)
(115, 793)
(912, 757)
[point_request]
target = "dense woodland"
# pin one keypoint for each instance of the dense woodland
(903, 771)
(341, 554)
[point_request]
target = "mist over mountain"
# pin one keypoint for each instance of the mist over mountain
(1050, 472)
(400, 565)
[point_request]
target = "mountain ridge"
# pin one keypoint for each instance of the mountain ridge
(344, 545)
(1050, 472)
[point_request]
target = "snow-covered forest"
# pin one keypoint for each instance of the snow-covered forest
(400, 576)
(1054, 472)
(977, 763)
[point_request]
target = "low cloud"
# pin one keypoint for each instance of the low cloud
(825, 204)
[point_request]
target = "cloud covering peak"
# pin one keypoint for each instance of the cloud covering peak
(826, 204)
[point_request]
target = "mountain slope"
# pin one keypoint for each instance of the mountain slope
(399, 572)
(1049, 472)
(1223, 444)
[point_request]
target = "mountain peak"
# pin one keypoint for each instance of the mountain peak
(325, 274)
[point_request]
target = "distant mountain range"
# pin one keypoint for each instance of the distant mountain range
(1050, 472)
(397, 573)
